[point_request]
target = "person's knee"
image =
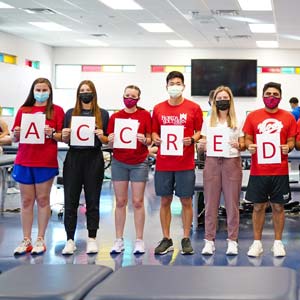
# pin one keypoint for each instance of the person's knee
(121, 203)
(166, 202)
(186, 202)
(259, 207)
(43, 201)
(27, 202)
(138, 203)
(277, 208)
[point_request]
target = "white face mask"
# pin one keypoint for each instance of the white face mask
(175, 91)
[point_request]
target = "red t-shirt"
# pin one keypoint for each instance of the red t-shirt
(298, 131)
(261, 121)
(187, 113)
(132, 156)
(39, 155)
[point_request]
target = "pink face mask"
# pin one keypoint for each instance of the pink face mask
(271, 102)
(129, 102)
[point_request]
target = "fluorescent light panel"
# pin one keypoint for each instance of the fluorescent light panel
(255, 5)
(262, 28)
(179, 43)
(93, 43)
(4, 5)
(267, 44)
(122, 4)
(156, 27)
(50, 26)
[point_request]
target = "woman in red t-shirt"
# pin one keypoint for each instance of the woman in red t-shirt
(130, 165)
(36, 165)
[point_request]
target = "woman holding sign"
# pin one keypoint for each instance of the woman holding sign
(222, 139)
(85, 131)
(37, 127)
(130, 140)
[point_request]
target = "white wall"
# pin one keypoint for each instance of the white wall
(16, 80)
(110, 86)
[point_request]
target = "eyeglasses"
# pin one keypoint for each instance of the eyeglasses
(275, 94)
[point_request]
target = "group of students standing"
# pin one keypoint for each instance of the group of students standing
(36, 166)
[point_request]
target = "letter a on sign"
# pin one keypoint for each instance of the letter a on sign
(32, 129)
(268, 148)
(172, 139)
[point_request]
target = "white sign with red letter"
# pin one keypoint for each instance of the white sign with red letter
(268, 148)
(125, 133)
(82, 131)
(217, 142)
(33, 129)
(172, 139)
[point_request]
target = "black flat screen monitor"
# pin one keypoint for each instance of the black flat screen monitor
(238, 74)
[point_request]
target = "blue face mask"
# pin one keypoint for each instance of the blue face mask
(41, 96)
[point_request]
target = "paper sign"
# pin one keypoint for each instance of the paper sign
(217, 142)
(125, 133)
(82, 131)
(268, 148)
(172, 139)
(33, 129)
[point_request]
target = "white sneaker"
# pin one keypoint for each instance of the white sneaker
(39, 246)
(278, 249)
(69, 248)
(118, 246)
(209, 248)
(139, 247)
(232, 248)
(12, 190)
(256, 249)
(91, 247)
(24, 247)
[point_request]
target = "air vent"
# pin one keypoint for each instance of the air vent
(225, 12)
(46, 11)
(197, 16)
(99, 35)
(241, 37)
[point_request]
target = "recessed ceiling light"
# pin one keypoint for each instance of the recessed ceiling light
(50, 26)
(156, 27)
(179, 43)
(255, 4)
(93, 43)
(122, 4)
(262, 28)
(267, 44)
(4, 5)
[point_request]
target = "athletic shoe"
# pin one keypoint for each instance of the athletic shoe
(278, 249)
(12, 190)
(186, 246)
(232, 247)
(39, 246)
(139, 247)
(164, 246)
(118, 246)
(24, 247)
(255, 249)
(209, 248)
(69, 248)
(91, 246)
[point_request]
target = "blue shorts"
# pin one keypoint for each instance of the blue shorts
(183, 182)
(126, 172)
(32, 175)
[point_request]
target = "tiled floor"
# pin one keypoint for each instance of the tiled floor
(11, 234)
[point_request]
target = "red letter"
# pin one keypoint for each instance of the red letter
(121, 135)
(219, 143)
(170, 141)
(35, 131)
(78, 135)
(272, 148)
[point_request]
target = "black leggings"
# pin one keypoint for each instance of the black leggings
(82, 168)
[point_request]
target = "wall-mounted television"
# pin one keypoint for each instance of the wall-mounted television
(239, 74)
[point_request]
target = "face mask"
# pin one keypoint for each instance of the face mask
(222, 104)
(271, 102)
(175, 91)
(129, 102)
(86, 97)
(41, 97)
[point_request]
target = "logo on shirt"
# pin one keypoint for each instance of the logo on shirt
(174, 120)
(270, 126)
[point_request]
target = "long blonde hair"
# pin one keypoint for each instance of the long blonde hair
(231, 117)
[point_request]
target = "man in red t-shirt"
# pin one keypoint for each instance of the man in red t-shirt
(269, 180)
(176, 172)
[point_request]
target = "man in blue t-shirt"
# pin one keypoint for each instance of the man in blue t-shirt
(295, 108)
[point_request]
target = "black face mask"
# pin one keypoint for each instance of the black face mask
(86, 97)
(222, 104)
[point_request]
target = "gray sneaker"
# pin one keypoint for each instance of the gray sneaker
(164, 246)
(186, 246)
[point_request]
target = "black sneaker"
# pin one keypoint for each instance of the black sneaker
(164, 246)
(186, 246)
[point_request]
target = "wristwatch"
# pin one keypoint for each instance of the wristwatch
(192, 140)
(53, 133)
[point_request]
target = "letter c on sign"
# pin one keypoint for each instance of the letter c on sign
(78, 130)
